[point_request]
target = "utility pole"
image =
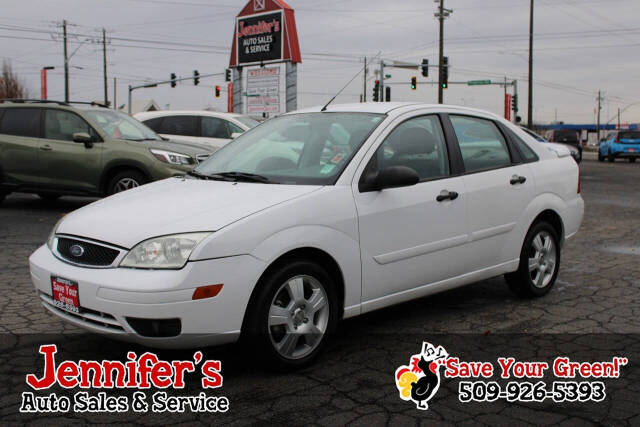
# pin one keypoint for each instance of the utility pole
(364, 93)
(115, 99)
(598, 112)
(104, 66)
(530, 100)
(618, 118)
(66, 62)
(381, 93)
(441, 54)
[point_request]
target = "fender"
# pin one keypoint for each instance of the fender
(541, 203)
(341, 247)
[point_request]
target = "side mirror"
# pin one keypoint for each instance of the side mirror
(83, 138)
(234, 135)
(390, 177)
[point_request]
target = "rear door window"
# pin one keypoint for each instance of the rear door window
(179, 125)
(21, 122)
(213, 127)
(482, 145)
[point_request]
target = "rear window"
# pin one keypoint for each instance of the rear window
(179, 125)
(565, 136)
(21, 122)
(629, 135)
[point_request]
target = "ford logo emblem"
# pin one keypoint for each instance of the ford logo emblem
(76, 250)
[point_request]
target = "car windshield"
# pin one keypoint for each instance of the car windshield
(311, 148)
(247, 121)
(120, 126)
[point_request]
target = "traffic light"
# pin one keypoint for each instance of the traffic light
(173, 79)
(227, 75)
(196, 77)
(514, 103)
(376, 90)
(445, 72)
(425, 67)
(217, 91)
(414, 83)
(387, 90)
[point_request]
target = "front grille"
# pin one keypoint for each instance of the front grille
(90, 253)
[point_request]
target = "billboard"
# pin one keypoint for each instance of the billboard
(259, 38)
(263, 90)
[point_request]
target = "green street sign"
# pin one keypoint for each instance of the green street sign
(387, 76)
(478, 82)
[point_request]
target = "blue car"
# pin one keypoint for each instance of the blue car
(620, 144)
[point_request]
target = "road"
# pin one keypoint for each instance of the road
(592, 313)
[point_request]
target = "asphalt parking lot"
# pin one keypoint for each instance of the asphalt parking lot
(596, 297)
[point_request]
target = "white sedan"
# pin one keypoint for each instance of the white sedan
(313, 217)
(211, 128)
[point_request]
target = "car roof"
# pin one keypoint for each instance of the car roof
(393, 107)
(164, 113)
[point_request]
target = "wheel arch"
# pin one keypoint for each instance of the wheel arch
(310, 253)
(116, 167)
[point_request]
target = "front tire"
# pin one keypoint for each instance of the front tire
(610, 157)
(600, 157)
(292, 315)
(125, 180)
(539, 262)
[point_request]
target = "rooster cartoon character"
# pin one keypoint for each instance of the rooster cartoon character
(420, 381)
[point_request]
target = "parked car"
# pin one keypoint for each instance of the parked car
(620, 144)
(575, 153)
(206, 127)
(275, 244)
(54, 149)
(569, 137)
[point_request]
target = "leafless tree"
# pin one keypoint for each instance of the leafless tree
(10, 85)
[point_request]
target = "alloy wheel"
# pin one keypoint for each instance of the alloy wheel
(125, 184)
(542, 259)
(298, 317)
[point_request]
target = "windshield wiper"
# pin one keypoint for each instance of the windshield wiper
(198, 175)
(243, 176)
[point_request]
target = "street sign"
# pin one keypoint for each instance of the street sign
(478, 82)
(387, 76)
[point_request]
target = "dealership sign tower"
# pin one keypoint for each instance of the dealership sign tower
(265, 33)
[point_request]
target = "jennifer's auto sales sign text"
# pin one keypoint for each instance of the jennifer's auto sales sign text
(259, 38)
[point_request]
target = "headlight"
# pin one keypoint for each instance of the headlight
(163, 252)
(171, 157)
(52, 235)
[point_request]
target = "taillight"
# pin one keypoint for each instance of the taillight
(578, 180)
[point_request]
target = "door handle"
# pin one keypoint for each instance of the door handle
(46, 147)
(516, 179)
(446, 195)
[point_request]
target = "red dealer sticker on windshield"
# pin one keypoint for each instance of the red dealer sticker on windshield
(65, 294)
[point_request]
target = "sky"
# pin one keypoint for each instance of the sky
(580, 47)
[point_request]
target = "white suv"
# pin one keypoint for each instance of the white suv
(208, 127)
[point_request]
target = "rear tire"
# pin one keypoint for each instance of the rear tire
(610, 157)
(539, 262)
(125, 180)
(292, 314)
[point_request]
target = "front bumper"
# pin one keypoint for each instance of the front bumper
(107, 297)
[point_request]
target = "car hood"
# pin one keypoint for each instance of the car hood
(174, 205)
(178, 146)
